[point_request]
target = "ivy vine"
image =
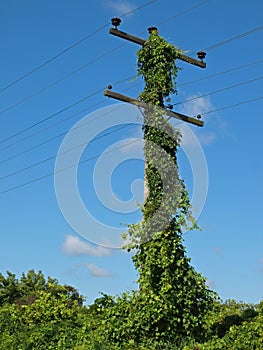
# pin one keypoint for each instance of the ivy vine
(173, 297)
(156, 64)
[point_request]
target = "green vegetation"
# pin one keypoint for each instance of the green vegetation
(38, 314)
(174, 308)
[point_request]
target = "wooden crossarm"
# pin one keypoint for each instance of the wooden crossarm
(133, 101)
(140, 41)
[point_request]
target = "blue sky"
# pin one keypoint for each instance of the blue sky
(34, 232)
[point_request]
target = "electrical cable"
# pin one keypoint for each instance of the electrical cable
(54, 137)
(70, 48)
(226, 41)
(92, 61)
(220, 90)
(182, 13)
(64, 169)
(218, 73)
(234, 105)
(61, 79)
(221, 73)
(188, 100)
(242, 35)
(59, 122)
(51, 116)
(69, 150)
(95, 157)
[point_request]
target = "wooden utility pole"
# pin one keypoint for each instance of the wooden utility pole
(199, 63)
(165, 274)
(201, 55)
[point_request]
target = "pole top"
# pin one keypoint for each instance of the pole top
(152, 29)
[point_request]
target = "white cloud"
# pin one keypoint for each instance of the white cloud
(96, 271)
(196, 105)
(121, 7)
(73, 246)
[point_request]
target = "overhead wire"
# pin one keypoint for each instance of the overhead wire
(66, 168)
(236, 37)
(251, 100)
(234, 105)
(220, 73)
(69, 150)
(226, 41)
(128, 143)
(94, 60)
(83, 99)
(61, 121)
(43, 64)
(226, 88)
(64, 133)
(50, 116)
(220, 90)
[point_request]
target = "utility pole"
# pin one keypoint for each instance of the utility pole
(111, 94)
(172, 298)
(199, 63)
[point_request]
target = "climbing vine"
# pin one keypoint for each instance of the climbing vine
(173, 297)
(156, 64)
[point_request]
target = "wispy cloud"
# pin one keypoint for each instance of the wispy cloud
(121, 7)
(73, 246)
(196, 105)
(96, 271)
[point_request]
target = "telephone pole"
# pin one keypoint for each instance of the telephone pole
(111, 94)
(199, 63)
(172, 298)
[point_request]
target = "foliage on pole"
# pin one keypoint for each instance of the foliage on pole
(173, 297)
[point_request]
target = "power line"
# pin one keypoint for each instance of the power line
(221, 73)
(234, 105)
(95, 157)
(41, 131)
(181, 13)
(64, 169)
(220, 90)
(80, 68)
(121, 45)
(95, 59)
(239, 36)
(185, 101)
(69, 48)
(48, 175)
(61, 79)
(69, 150)
(53, 115)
